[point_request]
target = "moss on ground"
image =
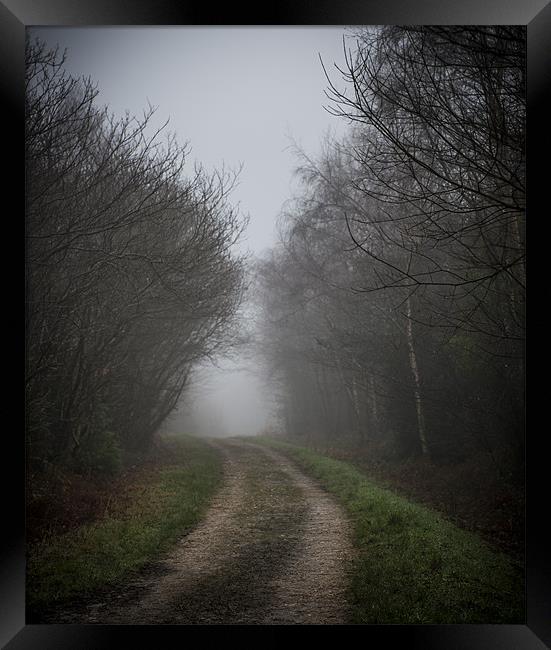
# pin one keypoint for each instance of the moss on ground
(61, 567)
(412, 565)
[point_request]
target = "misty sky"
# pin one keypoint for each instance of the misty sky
(236, 95)
(233, 93)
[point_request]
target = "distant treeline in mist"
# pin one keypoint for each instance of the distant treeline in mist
(394, 302)
(129, 277)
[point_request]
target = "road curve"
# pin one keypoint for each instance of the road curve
(273, 548)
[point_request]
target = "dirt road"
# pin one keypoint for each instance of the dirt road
(272, 549)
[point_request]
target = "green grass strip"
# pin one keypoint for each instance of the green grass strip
(99, 554)
(413, 566)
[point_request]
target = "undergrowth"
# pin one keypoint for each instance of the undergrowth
(150, 518)
(412, 566)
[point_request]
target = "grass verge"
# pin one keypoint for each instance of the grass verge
(412, 566)
(172, 501)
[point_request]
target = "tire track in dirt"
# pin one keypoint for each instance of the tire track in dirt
(272, 549)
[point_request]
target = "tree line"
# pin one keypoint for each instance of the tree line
(130, 275)
(393, 305)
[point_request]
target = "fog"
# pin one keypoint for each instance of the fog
(227, 400)
(333, 257)
(240, 96)
(367, 293)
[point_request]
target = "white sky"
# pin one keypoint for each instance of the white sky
(235, 94)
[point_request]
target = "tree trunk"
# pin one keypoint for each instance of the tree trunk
(323, 395)
(352, 398)
(417, 382)
(356, 406)
(372, 397)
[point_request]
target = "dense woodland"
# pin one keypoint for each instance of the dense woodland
(131, 278)
(394, 302)
(391, 309)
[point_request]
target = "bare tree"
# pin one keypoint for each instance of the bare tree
(130, 275)
(439, 146)
(398, 286)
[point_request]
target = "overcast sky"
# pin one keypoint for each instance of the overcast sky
(236, 95)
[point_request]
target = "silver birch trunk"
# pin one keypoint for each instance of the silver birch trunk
(417, 382)
(373, 404)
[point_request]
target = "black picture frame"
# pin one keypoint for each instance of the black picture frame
(15, 16)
